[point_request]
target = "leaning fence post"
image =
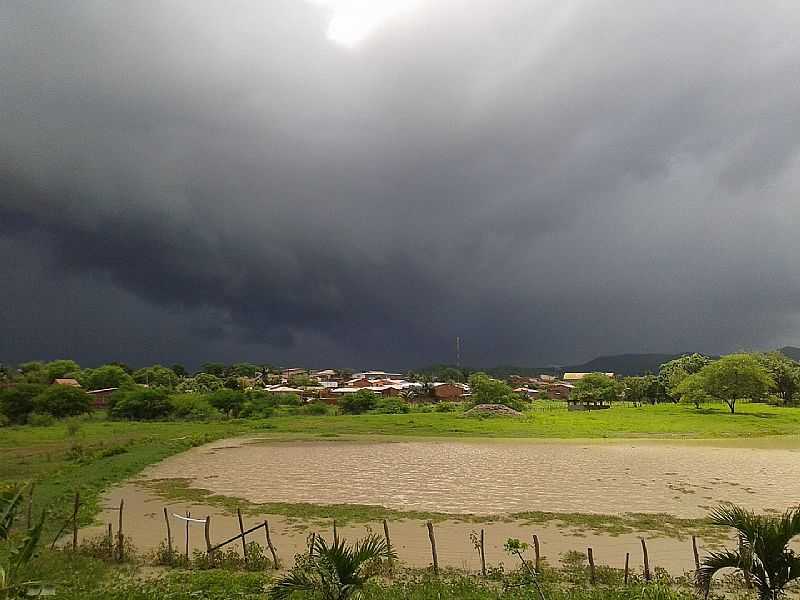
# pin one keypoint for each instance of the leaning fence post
(646, 561)
(241, 531)
(433, 548)
(627, 560)
(388, 541)
(207, 532)
(696, 555)
(169, 533)
(269, 545)
(120, 535)
(536, 551)
(483, 554)
(592, 577)
(75, 521)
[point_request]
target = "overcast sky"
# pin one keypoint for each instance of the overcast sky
(354, 184)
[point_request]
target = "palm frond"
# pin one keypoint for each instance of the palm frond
(712, 564)
(730, 515)
(295, 581)
(22, 553)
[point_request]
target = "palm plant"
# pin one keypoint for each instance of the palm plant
(10, 501)
(12, 584)
(763, 556)
(337, 571)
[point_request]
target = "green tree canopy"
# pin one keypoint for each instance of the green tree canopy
(672, 373)
(597, 387)
(156, 376)
(16, 402)
(486, 390)
(785, 373)
(357, 403)
(62, 401)
(107, 376)
(692, 390)
(140, 404)
(227, 401)
(735, 377)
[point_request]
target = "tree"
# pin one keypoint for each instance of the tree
(244, 370)
(61, 368)
(595, 387)
(334, 572)
(216, 369)
(636, 389)
(227, 401)
(358, 402)
(735, 377)
(16, 403)
(692, 389)
(486, 390)
(156, 376)
(764, 555)
(784, 372)
(179, 370)
(107, 376)
(672, 373)
(62, 401)
(140, 404)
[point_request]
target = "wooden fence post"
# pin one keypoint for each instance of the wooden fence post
(646, 561)
(270, 546)
(696, 555)
(536, 551)
(592, 576)
(335, 534)
(483, 554)
(627, 561)
(241, 531)
(75, 521)
(120, 535)
(311, 542)
(207, 531)
(188, 516)
(386, 535)
(111, 541)
(169, 533)
(433, 548)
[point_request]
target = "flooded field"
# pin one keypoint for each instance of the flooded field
(496, 477)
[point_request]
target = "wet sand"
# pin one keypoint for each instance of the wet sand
(465, 477)
(489, 478)
(144, 525)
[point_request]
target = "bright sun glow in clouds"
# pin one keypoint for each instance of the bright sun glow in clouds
(353, 21)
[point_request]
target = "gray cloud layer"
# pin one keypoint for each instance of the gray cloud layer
(550, 180)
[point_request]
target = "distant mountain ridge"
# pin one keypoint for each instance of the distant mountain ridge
(791, 351)
(623, 364)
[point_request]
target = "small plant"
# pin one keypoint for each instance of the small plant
(11, 583)
(516, 547)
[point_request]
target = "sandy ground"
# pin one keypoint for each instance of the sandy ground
(144, 525)
(491, 477)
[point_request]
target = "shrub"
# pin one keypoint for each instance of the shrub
(357, 403)
(286, 400)
(444, 407)
(227, 401)
(140, 404)
(392, 406)
(315, 408)
(192, 407)
(16, 403)
(256, 409)
(40, 420)
(62, 401)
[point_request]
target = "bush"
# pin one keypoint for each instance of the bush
(227, 401)
(256, 409)
(16, 403)
(444, 407)
(286, 400)
(357, 403)
(140, 404)
(40, 420)
(392, 406)
(192, 407)
(62, 401)
(315, 408)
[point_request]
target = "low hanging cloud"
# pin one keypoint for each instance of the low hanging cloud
(548, 180)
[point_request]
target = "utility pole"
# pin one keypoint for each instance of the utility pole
(458, 351)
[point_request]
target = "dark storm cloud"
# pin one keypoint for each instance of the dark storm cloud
(549, 180)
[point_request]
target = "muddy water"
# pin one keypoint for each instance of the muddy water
(491, 477)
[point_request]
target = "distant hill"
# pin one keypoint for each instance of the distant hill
(791, 351)
(623, 364)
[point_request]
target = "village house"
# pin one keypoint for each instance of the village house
(67, 381)
(100, 397)
(449, 391)
(560, 390)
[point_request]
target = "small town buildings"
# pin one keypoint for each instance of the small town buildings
(560, 391)
(449, 391)
(579, 376)
(527, 392)
(100, 397)
(377, 375)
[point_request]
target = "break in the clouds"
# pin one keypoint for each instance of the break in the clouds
(356, 183)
